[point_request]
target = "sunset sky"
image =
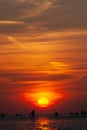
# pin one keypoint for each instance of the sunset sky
(43, 55)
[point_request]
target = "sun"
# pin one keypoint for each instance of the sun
(43, 99)
(43, 102)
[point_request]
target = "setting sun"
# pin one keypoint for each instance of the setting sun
(42, 99)
(43, 102)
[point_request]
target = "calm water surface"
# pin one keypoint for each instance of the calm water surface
(44, 123)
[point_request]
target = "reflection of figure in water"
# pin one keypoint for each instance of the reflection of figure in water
(32, 114)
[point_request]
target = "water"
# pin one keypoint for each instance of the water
(44, 123)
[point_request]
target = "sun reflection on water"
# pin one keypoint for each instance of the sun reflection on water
(44, 124)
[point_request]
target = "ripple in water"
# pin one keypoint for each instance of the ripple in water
(44, 123)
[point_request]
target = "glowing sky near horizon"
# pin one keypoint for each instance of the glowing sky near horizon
(43, 49)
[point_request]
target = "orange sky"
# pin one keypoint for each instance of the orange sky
(43, 48)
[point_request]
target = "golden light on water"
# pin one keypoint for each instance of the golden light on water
(44, 123)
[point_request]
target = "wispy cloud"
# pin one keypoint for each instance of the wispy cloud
(4, 40)
(37, 9)
(21, 77)
(8, 22)
(42, 7)
(21, 1)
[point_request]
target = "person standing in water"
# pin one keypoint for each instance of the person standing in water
(33, 114)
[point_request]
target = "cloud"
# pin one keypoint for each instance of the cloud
(19, 77)
(10, 26)
(43, 15)
(24, 8)
(9, 19)
(11, 83)
(8, 22)
(22, 1)
(80, 84)
(67, 16)
(4, 40)
(55, 36)
(37, 9)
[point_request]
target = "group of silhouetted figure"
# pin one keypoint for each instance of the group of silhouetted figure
(81, 114)
(32, 114)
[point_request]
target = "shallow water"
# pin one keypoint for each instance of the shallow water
(44, 123)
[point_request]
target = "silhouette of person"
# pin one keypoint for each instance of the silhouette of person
(56, 114)
(84, 113)
(33, 114)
